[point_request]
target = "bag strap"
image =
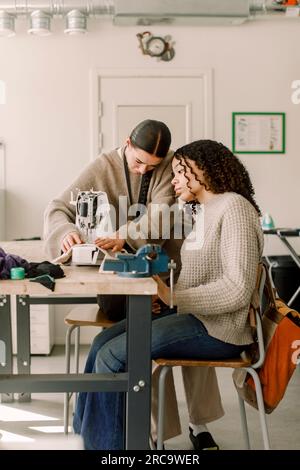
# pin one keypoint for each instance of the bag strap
(279, 309)
(269, 290)
(126, 170)
(255, 299)
(254, 302)
(145, 183)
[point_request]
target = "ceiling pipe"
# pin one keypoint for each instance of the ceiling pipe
(58, 7)
(137, 11)
(40, 13)
(107, 7)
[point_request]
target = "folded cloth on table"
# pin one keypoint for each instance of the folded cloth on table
(45, 267)
(45, 280)
(44, 272)
(8, 261)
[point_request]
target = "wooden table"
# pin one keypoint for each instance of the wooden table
(136, 382)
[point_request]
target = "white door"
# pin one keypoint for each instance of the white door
(120, 99)
(182, 99)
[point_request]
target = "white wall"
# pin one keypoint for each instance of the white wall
(45, 121)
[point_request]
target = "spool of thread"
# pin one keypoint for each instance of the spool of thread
(17, 273)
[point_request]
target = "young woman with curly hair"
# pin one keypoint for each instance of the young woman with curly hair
(216, 281)
(222, 171)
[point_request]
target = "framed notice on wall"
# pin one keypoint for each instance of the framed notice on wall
(258, 132)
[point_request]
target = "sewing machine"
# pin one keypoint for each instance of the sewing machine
(92, 215)
(92, 221)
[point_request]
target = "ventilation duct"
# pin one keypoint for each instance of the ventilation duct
(136, 12)
(147, 12)
(197, 12)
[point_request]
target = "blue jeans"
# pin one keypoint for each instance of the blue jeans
(81, 413)
(99, 416)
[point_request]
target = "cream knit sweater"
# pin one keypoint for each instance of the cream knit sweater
(217, 280)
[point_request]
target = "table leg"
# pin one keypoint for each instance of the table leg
(138, 406)
(6, 359)
(23, 340)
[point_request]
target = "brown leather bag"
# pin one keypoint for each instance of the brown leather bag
(281, 333)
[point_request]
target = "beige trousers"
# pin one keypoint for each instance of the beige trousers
(202, 396)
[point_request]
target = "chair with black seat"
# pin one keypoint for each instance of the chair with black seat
(234, 363)
(88, 315)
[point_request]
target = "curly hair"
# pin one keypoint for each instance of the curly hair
(222, 170)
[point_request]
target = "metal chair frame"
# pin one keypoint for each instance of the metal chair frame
(76, 323)
(167, 365)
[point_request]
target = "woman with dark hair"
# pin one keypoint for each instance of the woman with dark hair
(140, 170)
(222, 171)
(215, 284)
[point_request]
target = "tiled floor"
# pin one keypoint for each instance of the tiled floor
(39, 424)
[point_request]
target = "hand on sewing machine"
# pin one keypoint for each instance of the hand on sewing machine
(163, 291)
(113, 244)
(73, 238)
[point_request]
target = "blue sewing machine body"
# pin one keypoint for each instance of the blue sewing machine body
(148, 260)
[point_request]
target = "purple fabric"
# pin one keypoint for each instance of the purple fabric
(8, 261)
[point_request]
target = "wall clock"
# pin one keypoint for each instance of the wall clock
(156, 46)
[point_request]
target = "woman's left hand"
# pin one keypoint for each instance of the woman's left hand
(163, 291)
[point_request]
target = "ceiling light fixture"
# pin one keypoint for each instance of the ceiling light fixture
(39, 23)
(7, 24)
(76, 22)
